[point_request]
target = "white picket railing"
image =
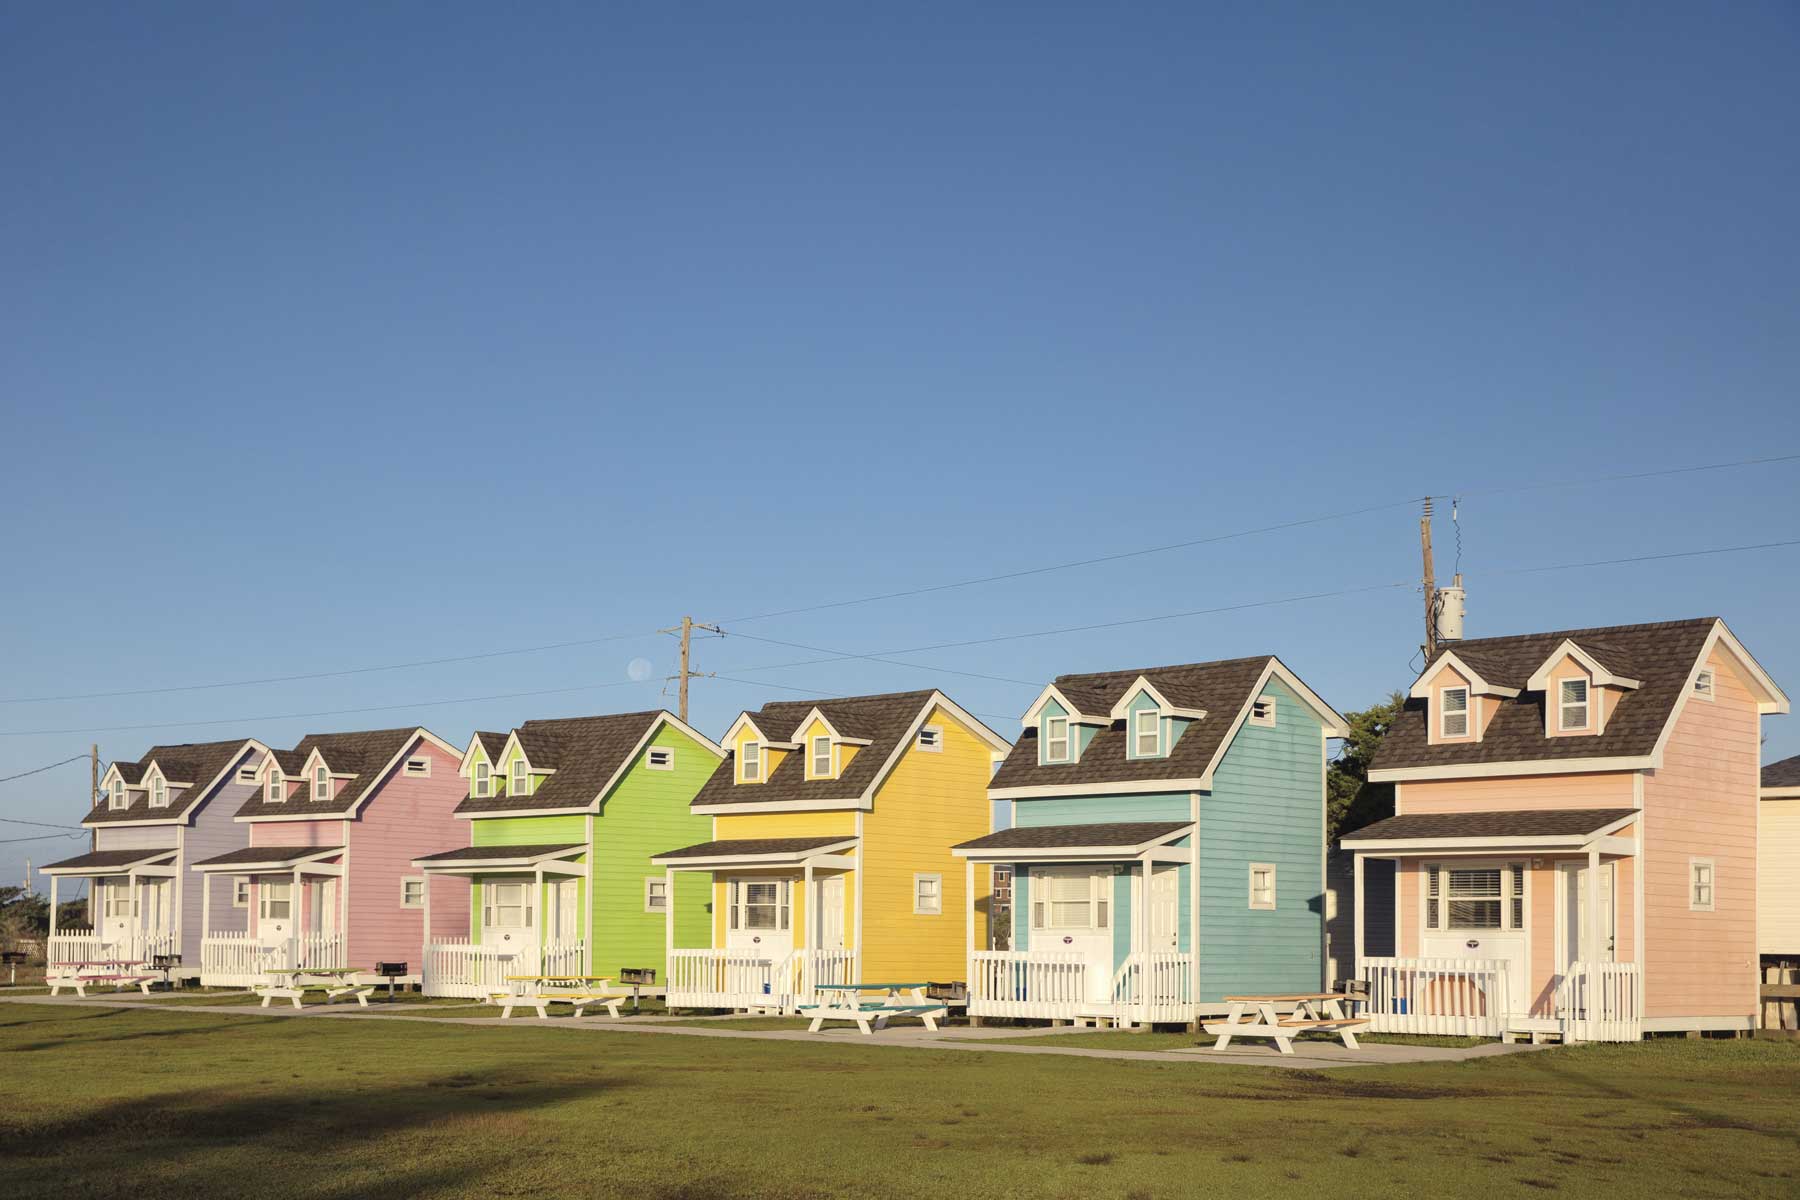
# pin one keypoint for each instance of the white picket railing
(1154, 987)
(1462, 997)
(562, 958)
(800, 974)
(459, 967)
(245, 960)
(83, 945)
(722, 979)
(1049, 984)
(1601, 1002)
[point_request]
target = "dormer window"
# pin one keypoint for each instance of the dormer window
(819, 759)
(116, 801)
(1572, 705)
(1453, 712)
(1146, 733)
(1703, 684)
(277, 787)
(484, 781)
(159, 792)
(1056, 739)
(321, 783)
(750, 763)
(520, 783)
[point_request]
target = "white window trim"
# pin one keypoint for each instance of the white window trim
(423, 765)
(651, 882)
(518, 779)
(1137, 733)
(118, 799)
(484, 781)
(937, 879)
(276, 791)
(1710, 692)
(1586, 705)
(265, 896)
(1100, 891)
(527, 904)
(936, 743)
(735, 904)
(159, 792)
(240, 891)
(1274, 892)
(1712, 885)
(750, 752)
(418, 879)
(1468, 713)
(668, 759)
(313, 784)
(812, 757)
(1267, 719)
(1067, 739)
(1512, 891)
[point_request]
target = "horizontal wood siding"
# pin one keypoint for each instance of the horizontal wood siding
(1610, 789)
(1778, 878)
(407, 817)
(213, 832)
(135, 837)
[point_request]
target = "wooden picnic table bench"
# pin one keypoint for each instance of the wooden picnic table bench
(844, 1002)
(1312, 1012)
(580, 992)
(81, 982)
(333, 981)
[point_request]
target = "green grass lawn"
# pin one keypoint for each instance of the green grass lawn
(1126, 1039)
(132, 1103)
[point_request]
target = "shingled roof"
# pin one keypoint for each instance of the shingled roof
(363, 754)
(1221, 689)
(1783, 774)
(194, 763)
(884, 720)
(1660, 656)
(583, 752)
(1510, 823)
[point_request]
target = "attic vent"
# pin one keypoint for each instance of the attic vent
(246, 775)
(660, 758)
(1262, 711)
(419, 766)
(931, 738)
(1703, 684)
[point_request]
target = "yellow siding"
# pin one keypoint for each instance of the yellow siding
(931, 802)
(732, 826)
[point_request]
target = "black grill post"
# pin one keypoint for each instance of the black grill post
(391, 971)
(637, 977)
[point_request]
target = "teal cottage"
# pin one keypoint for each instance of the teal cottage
(1165, 831)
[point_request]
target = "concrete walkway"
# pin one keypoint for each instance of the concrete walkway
(1308, 1055)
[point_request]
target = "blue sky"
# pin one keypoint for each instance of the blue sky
(339, 339)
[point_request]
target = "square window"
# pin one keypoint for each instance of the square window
(1701, 882)
(1262, 711)
(1453, 712)
(419, 767)
(1262, 885)
(1572, 704)
(412, 893)
(656, 895)
(1146, 730)
(240, 892)
(931, 738)
(1056, 739)
(928, 895)
(660, 758)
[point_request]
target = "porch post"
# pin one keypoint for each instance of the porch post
(585, 885)
(296, 919)
(537, 906)
(969, 893)
(54, 880)
(1140, 937)
(205, 903)
(1357, 900)
(669, 925)
(425, 933)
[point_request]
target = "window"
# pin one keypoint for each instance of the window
(1069, 899)
(1056, 739)
(931, 738)
(928, 895)
(1146, 730)
(246, 774)
(1703, 684)
(412, 892)
(1262, 711)
(419, 767)
(1262, 885)
(1700, 884)
(1475, 896)
(656, 894)
(660, 758)
(118, 899)
(520, 784)
(1572, 704)
(750, 763)
(759, 905)
(275, 901)
(506, 905)
(321, 783)
(116, 801)
(159, 792)
(1453, 712)
(240, 891)
(277, 787)
(484, 781)
(819, 762)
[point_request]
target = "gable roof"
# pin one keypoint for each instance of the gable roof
(1223, 689)
(491, 744)
(1783, 777)
(1510, 823)
(362, 755)
(1661, 656)
(586, 754)
(201, 765)
(886, 720)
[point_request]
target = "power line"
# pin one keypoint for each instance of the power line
(42, 837)
(838, 655)
(1590, 480)
(40, 824)
(40, 770)
(1638, 558)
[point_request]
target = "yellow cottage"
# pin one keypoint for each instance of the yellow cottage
(830, 856)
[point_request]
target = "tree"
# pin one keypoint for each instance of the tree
(1351, 801)
(23, 916)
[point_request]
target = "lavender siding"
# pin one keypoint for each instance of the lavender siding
(406, 818)
(135, 837)
(321, 831)
(212, 832)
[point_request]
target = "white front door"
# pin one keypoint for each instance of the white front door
(1572, 943)
(1477, 910)
(562, 911)
(118, 908)
(274, 910)
(509, 921)
(759, 917)
(1071, 912)
(321, 907)
(1165, 909)
(831, 913)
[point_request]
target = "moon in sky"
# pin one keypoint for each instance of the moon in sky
(638, 669)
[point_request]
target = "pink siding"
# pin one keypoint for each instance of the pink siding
(406, 818)
(325, 831)
(1702, 802)
(1533, 792)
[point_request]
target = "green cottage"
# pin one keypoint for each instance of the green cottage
(1163, 830)
(563, 818)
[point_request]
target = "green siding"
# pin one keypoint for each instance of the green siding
(529, 831)
(1266, 806)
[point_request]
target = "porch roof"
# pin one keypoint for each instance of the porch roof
(269, 858)
(107, 862)
(489, 857)
(1120, 839)
(754, 852)
(1547, 828)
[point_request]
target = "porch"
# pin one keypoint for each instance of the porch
(134, 913)
(528, 916)
(1507, 924)
(1099, 914)
(763, 965)
(297, 902)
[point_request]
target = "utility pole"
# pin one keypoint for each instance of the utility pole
(1430, 585)
(686, 630)
(93, 774)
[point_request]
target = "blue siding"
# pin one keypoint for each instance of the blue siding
(1121, 919)
(1266, 806)
(1089, 810)
(1002, 815)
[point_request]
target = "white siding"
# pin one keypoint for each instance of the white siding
(1778, 878)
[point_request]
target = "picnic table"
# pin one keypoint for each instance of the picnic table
(116, 972)
(1310, 1012)
(541, 991)
(845, 1002)
(333, 981)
